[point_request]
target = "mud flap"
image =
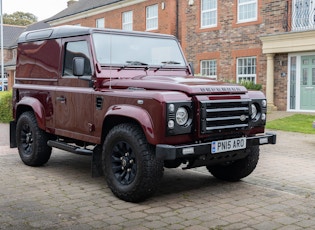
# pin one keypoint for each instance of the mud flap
(13, 134)
(96, 164)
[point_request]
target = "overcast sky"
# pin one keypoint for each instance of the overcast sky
(42, 9)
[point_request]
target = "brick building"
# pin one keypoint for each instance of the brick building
(269, 42)
(10, 35)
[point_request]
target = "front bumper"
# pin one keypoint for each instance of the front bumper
(172, 152)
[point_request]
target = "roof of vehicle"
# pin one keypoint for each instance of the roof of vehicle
(72, 31)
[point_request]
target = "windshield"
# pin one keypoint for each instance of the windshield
(114, 49)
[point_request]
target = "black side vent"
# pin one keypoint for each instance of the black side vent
(99, 103)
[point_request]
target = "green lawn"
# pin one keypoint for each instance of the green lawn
(301, 123)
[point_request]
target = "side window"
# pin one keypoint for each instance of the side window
(127, 20)
(76, 49)
(209, 9)
(152, 17)
(100, 23)
(208, 68)
(246, 69)
(247, 10)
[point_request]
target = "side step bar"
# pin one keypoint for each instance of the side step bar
(69, 148)
(96, 153)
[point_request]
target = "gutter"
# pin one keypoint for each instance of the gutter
(177, 20)
(91, 12)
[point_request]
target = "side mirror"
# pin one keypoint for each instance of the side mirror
(78, 66)
(192, 70)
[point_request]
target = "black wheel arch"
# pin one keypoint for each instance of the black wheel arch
(113, 120)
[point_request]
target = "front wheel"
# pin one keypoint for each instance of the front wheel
(131, 169)
(31, 141)
(234, 171)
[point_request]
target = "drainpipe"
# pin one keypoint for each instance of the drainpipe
(177, 19)
(2, 55)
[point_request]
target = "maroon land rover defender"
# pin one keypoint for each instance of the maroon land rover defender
(130, 100)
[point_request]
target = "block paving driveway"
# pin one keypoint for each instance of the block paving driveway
(280, 194)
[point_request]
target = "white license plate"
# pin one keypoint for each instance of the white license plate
(228, 145)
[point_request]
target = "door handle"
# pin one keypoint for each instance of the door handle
(62, 99)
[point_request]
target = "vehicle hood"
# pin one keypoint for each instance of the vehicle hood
(190, 85)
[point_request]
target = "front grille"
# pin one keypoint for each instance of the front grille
(224, 115)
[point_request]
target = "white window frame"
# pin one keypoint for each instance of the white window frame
(127, 20)
(247, 70)
(297, 72)
(208, 10)
(243, 5)
(303, 15)
(152, 17)
(208, 68)
(100, 23)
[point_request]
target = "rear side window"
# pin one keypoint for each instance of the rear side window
(76, 49)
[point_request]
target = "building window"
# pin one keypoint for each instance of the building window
(208, 68)
(246, 69)
(152, 17)
(247, 10)
(127, 20)
(303, 16)
(208, 13)
(100, 23)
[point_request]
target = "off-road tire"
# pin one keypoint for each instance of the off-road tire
(131, 170)
(238, 169)
(31, 141)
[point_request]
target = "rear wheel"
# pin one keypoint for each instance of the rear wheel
(234, 171)
(31, 141)
(129, 164)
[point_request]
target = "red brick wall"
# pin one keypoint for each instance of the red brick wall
(225, 43)
(280, 86)
(230, 39)
(113, 19)
(7, 55)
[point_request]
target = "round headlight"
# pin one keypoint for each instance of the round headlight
(182, 116)
(254, 111)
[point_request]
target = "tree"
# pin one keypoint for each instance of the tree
(19, 18)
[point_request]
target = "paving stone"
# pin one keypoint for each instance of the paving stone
(279, 194)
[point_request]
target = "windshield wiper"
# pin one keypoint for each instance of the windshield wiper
(170, 62)
(136, 63)
(132, 64)
(165, 65)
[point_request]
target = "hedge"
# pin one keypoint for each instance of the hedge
(5, 106)
(250, 85)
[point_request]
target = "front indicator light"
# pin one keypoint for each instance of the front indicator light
(171, 124)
